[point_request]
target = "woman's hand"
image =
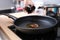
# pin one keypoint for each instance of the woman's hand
(29, 6)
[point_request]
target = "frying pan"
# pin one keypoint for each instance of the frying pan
(43, 24)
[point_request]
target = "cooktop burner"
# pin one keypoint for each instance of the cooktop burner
(46, 36)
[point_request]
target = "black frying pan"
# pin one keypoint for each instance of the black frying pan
(34, 24)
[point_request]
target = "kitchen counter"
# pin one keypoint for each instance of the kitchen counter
(3, 36)
(5, 22)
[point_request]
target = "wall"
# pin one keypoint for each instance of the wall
(52, 1)
(6, 4)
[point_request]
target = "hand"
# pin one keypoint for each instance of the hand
(29, 8)
(28, 2)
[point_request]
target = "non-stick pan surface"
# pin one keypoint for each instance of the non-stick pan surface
(43, 22)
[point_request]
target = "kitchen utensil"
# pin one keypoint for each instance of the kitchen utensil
(34, 24)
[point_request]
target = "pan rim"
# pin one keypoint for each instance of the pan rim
(36, 28)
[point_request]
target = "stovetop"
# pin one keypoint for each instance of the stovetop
(46, 36)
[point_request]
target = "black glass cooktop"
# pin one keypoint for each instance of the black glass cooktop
(46, 36)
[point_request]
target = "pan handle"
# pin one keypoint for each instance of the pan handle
(12, 17)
